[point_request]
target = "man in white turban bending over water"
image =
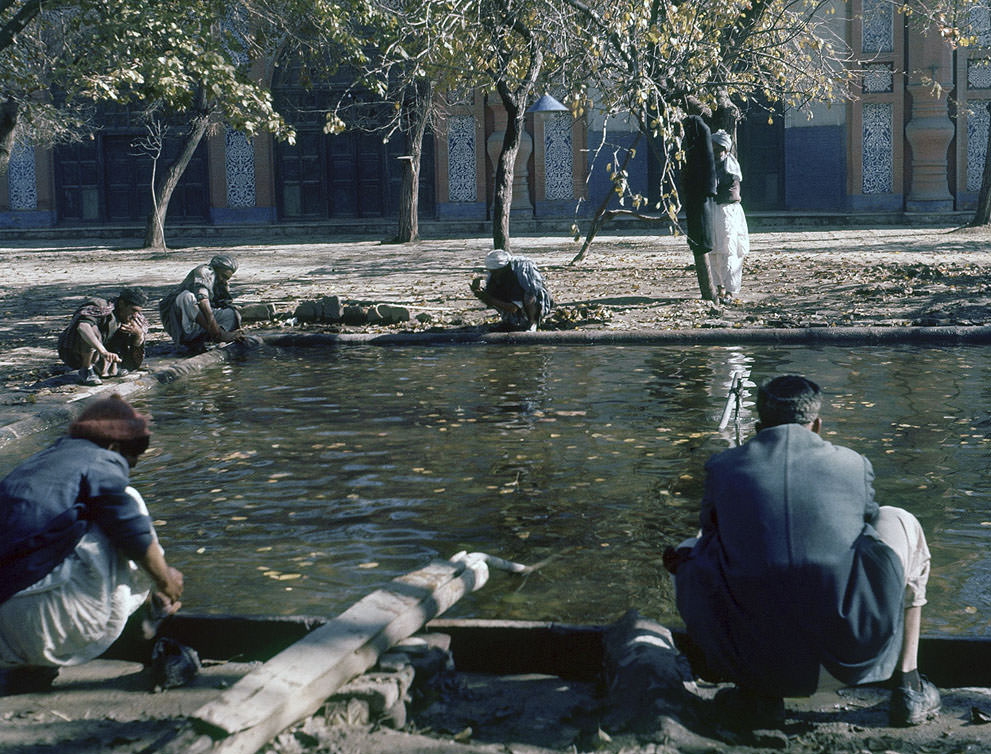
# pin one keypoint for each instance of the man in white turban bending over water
(515, 289)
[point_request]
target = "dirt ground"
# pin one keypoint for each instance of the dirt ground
(828, 278)
(823, 278)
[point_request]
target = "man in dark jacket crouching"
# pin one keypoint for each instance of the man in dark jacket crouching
(797, 568)
(73, 534)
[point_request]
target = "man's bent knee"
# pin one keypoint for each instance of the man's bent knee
(902, 532)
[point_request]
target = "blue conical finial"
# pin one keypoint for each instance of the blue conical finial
(547, 104)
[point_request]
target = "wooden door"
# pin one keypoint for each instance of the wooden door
(761, 151)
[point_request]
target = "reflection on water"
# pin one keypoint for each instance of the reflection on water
(298, 483)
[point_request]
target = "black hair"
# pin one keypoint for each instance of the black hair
(133, 296)
(134, 447)
(789, 399)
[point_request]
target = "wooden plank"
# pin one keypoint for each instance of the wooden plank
(295, 682)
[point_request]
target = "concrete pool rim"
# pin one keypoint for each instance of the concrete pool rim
(65, 407)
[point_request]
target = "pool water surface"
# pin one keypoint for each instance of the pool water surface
(297, 481)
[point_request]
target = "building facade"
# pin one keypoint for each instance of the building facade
(899, 145)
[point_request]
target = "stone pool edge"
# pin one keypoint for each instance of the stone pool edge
(948, 335)
(63, 408)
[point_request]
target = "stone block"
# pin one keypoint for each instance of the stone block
(646, 677)
(382, 694)
(347, 711)
(330, 309)
(392, 314)
(257, 312)
(373, 316)
(354, 315)
(308, 311)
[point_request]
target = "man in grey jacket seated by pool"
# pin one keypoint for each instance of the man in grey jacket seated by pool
(797, 568)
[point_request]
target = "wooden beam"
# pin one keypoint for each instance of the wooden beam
(297, 681)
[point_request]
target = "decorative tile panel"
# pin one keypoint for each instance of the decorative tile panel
(235, 23)
(22, 182)
(980, 23)
(878, 152)
(240, 168)
(977, 142)
(461, 159)
(979, 73)
(558, 156)
(878, 78)
(878, 27)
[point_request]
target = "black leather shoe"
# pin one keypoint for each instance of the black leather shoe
(910, 707)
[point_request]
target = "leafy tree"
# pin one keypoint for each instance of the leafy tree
(391, 62)
(177, 60)
(37, 45)
(423, 48)
(182, 65)
(513, 50)
(400, 70)
(659, 61)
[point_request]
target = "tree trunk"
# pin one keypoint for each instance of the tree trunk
(167, 181)
(982, 216)
(502, 196)
(409, 197)
(8, 122)
(25, 15)
(704, 275)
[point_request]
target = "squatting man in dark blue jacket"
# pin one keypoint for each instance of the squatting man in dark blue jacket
(73, 533)
(797, 568)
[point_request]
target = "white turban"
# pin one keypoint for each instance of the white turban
(723, 139)
(497, 259)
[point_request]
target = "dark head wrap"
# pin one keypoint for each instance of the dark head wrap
(226, 261)
(133, 296)
(110, 420)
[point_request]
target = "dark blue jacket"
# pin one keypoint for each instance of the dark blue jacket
(789, 573)
(48, 503)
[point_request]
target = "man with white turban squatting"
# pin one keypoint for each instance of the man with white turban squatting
(515, 289)
(78, 551)
(730, 236)
(201, 308)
